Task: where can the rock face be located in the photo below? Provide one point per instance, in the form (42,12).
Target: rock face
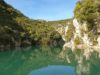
(80,38)
(98,40)
(85,33)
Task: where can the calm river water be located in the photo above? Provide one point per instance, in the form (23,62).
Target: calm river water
(47,61)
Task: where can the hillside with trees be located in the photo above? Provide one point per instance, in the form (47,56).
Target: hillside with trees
(17,30)
(88,11)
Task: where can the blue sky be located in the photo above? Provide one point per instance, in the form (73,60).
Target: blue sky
(45,9)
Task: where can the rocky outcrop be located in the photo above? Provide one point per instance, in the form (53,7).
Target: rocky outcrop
(85,33)
(81,38)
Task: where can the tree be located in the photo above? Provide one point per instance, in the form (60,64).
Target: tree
(88,10)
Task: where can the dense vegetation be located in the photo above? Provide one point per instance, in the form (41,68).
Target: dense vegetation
(17,30)
(89,11)
(62,22)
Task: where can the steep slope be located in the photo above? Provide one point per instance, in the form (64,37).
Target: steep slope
(17,30)
(9,29)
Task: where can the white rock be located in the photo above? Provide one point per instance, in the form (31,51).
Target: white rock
(77,27)
(98,40)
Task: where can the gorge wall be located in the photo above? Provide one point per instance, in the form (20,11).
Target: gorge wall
(83,31)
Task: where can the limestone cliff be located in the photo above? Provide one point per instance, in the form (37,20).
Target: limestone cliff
(83,32)
(79,37)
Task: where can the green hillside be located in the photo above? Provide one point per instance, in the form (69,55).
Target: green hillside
(17,30)
(88,11)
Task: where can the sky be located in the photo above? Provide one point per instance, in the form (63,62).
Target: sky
(45,9)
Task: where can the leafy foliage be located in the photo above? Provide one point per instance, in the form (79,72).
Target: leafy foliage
(88,10)
(18,30)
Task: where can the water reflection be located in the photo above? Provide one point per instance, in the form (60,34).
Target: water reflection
(25,60)
(54,70)
(83,65)
(21,61)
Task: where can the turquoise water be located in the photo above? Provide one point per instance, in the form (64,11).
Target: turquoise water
(22,61)
(46,61)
